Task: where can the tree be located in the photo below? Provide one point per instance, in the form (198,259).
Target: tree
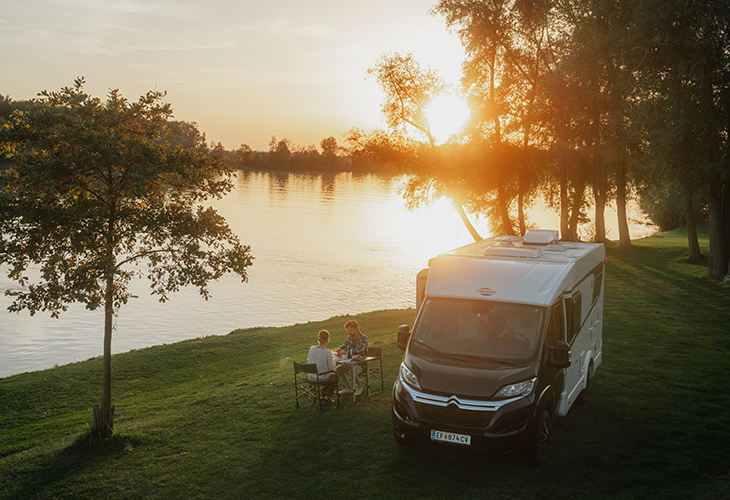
(685,97)
(305,158)
(509,49)
(483,28)
(279,153)
(408,89)
(245,155)
(329,151)
(329,146)
(6,107)
(95,195)
(695,56)
(185,134)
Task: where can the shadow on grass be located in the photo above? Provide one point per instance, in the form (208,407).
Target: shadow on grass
(90,444)
(83,455)
(625,442)
(350,452)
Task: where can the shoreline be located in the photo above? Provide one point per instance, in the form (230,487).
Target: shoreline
(343,317)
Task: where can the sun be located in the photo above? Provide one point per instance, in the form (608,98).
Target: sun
(447,114)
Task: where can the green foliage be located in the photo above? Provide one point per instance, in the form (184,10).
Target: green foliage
(215,417)
(185,135)
(94,194)
(6,107)
(408,88)
(665,207)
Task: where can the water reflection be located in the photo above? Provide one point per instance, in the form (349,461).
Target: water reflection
(324,245)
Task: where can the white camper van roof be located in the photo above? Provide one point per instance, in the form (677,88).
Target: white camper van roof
(534,269)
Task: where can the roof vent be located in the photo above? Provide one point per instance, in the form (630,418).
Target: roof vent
(510,241)
(541,237)
(523,253)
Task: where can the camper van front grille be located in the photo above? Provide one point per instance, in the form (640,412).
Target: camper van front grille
(453,415)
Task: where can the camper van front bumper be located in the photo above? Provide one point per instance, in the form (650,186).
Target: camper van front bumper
(491,424)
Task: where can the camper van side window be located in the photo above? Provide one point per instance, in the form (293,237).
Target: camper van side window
(573,313)
(597,283)
(555,327)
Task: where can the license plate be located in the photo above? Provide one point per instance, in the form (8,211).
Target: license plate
(450,437)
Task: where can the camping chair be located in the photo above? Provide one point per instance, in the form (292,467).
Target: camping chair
(375,367)
(308,388)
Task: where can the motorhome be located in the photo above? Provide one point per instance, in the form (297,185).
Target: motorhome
(507,336)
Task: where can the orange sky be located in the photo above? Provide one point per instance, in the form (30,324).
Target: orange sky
(243,70)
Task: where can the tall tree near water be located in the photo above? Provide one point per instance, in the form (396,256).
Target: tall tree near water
(686,106)
(408,88)
(511,48)
(702,65)
(592,91)
(329,151)
(94,197)
(280,153)
(485,31)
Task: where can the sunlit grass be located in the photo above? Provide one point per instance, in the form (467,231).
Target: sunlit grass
(214,417)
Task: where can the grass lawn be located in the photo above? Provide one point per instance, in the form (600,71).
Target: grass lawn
(215,418)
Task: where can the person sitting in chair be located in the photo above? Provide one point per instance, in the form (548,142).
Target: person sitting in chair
(322,357)
(358,345)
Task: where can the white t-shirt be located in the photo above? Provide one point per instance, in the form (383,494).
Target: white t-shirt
(324,360)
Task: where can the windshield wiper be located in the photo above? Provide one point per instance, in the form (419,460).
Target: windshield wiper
(455,355)
(500,361)
(433,349)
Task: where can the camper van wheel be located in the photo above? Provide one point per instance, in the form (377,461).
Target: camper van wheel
(583,396)
(538,446)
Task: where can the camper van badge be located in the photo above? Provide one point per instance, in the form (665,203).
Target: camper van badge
(486,292)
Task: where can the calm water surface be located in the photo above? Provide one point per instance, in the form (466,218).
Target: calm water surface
(324,245)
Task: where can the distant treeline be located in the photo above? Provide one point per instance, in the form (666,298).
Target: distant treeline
(282,154)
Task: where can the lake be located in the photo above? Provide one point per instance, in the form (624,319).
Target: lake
(324,245)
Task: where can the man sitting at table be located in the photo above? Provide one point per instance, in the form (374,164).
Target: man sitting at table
(358,343)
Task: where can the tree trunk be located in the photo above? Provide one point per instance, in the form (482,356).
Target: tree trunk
(103,424)
(726,223)
(467,223)
(521,212)
(104,415)
(600,190)
(503,211)
(502,206)
(623,222)
(564,204)
(575,210)
(692,241)
(717,261)
(600,216)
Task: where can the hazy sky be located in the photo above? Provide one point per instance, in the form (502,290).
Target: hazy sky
(244,70)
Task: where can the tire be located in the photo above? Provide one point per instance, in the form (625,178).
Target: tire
(537,447)
(583,396)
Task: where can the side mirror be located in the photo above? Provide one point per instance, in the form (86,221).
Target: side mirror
(560,355)
(404,333)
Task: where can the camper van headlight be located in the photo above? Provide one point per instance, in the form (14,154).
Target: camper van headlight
(407,376)
(520,389)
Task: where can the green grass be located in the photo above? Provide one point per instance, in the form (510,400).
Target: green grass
(214,417)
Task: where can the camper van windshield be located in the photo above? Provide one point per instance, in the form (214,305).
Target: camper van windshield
(478,329)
